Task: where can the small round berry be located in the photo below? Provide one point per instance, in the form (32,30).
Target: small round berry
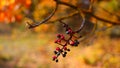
(65,48)
(59,41)
(55,52)
(70,31)
(75,44)
(68,49)
(56,60)
(76,41)
(54,57)
(65,52)
(62,37)
(58,35)
(58,49)
(64,55)
(72,43)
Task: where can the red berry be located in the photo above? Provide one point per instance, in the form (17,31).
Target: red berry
(65,48)
(70,30)
(58,35)
(72,43)
(54,57)
(58,40)
(62,37)
(58,49)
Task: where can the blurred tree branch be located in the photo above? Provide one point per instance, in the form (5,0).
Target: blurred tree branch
(83,12)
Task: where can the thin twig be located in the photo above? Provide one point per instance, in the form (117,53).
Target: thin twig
(104,20)
(43,21)
(64,17)
(109,12)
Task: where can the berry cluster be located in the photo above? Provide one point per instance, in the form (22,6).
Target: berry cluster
(72,41)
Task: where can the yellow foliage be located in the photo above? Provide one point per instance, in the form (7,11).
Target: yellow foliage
(47,2)
(1,47)
(42,28)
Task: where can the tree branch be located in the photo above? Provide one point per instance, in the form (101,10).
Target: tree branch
(90,13)
(102,19)
(64,17)
(43,21)
(58,2)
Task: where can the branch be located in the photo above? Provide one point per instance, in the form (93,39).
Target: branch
(82,13)
(43,21)
(64,17)
(90,13)
(66,4)
(102,19)
(109,12)
(57,3)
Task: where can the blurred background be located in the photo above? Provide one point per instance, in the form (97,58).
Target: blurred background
(21,47)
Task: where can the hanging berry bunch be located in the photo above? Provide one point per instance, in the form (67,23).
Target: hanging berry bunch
(72,41)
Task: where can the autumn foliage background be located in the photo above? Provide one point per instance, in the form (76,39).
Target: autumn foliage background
(21,47)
